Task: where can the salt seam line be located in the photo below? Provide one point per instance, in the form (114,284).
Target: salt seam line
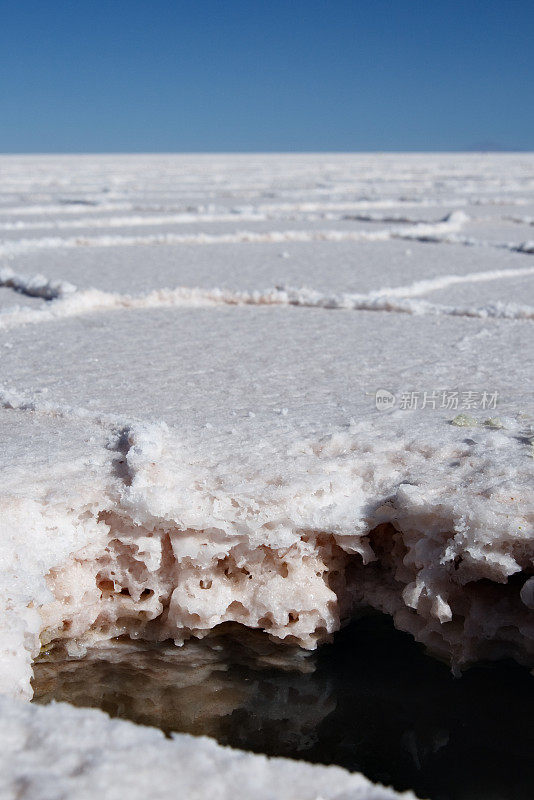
(49,289)
(421,287)
(132,221)
(240,214)
(136,220)
(425,232)
(19,401)
(93,301)
(95,207)
(422,233)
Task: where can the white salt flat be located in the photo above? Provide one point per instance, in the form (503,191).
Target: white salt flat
(265,390)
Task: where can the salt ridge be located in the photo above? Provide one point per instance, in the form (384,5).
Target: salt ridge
(35,285)
(69,302)
(444,231)
(424,231)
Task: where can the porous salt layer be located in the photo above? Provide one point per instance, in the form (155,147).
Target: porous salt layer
(279,457)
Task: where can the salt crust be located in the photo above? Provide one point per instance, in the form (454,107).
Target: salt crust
(158,546)
(57,751)
(115,522)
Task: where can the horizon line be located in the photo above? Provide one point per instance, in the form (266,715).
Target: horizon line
(474,151)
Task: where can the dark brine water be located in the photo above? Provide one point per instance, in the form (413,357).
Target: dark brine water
(371,702)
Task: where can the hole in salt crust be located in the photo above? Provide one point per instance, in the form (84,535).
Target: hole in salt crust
(371,702)
(143,585)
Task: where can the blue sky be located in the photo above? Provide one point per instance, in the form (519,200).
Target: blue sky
(265,75)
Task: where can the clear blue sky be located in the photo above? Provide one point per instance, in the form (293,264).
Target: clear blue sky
(264,75)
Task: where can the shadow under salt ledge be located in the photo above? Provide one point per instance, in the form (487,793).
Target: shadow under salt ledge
(371,702)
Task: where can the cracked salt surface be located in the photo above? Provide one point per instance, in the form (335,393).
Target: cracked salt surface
(175,458)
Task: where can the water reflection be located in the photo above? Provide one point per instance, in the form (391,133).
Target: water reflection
(371,702)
